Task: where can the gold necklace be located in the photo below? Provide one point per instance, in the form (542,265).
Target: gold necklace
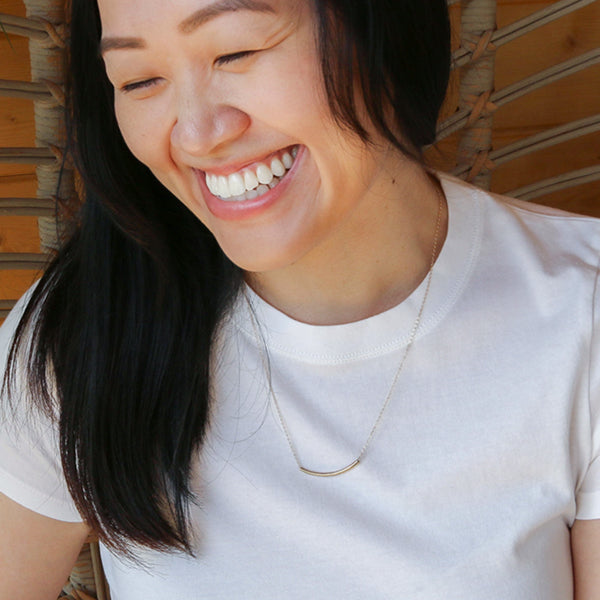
(413,335)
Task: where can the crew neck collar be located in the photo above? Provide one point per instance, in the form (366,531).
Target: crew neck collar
(387,331)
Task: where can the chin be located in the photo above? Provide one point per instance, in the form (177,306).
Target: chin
(251,259)
(257,264)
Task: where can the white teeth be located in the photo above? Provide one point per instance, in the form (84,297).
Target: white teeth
(287,160)
(210,184)
(277,168)
(262,189)
(236,185)
(264,174)
(215,183)
(235,198)
(251,183)
(250,180)
(223,187)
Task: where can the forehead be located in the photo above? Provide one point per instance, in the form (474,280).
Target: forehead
(186,15)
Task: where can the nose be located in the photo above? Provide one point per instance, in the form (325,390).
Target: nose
(204,125)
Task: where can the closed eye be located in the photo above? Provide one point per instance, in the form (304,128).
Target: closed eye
(138,85)
(229,58)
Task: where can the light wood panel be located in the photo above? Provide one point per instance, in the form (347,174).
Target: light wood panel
(555,42)
(13,284)
(16,120)
(19,234)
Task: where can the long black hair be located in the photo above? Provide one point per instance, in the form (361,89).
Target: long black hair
(117,335)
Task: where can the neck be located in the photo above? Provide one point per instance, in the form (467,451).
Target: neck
(372,262)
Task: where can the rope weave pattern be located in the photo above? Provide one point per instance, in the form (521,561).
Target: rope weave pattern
(545,139)
(46,33)
(520,88)
(48,68)
(85,581)
(25,207)
(478,23)
(26,90)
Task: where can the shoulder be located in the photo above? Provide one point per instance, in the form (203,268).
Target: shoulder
(512,228)
(520,209)
(30,463)
(10,327)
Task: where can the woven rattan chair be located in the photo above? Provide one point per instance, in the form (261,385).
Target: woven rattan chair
(467,145)
(87,581)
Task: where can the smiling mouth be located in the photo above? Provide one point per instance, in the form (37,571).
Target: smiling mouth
(254,181)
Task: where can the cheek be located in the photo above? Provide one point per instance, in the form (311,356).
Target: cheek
(144,134)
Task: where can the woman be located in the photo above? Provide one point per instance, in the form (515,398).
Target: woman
(285,360)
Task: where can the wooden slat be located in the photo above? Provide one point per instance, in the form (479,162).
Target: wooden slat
(582,199)
(28,156)
(22,261)
(38,207)
(5,307)
(25,90)
(566,100)
(557,183)
(526,86)
(571,155)
(539,141)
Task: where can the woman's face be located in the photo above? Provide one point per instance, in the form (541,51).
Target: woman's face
(223,101)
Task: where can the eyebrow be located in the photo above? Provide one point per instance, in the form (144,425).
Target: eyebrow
(191,23)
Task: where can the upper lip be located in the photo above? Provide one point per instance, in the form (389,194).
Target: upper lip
(227,168)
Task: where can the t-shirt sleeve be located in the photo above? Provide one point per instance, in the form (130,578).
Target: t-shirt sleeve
(30,468)
(588,492)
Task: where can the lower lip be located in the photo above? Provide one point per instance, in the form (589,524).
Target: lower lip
(246,209)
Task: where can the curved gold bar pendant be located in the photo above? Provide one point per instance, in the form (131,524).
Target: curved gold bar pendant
(330,473)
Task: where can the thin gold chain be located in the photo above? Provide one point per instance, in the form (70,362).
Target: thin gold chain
(413,335)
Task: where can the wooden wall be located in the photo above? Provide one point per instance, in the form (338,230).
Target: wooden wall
(561,102)
(572,98)
(17,234)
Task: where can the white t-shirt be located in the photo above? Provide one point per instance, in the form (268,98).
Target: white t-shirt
(486,454)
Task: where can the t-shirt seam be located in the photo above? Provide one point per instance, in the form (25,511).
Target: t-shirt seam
(589,374)
(514,203)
